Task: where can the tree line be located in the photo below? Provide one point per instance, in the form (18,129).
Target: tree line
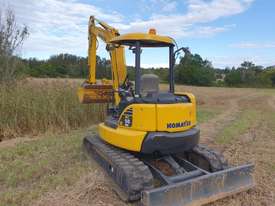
(192,69)
(249,75)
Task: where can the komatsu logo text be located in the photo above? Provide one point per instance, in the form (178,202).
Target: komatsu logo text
(178,124)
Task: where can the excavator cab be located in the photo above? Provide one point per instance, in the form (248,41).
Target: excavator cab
(149,142)
(148,120)
(136,41)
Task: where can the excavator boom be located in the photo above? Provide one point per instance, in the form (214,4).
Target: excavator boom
(103,91)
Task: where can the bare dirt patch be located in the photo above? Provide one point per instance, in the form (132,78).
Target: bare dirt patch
(256,145)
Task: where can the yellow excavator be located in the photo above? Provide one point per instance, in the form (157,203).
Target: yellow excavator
(149,141)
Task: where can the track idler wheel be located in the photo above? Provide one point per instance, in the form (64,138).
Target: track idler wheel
(207,159)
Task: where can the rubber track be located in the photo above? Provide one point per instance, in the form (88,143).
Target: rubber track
(130,174)
(215,159)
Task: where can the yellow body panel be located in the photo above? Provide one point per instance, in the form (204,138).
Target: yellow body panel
(174,117)
(161,117)
(190,95)
(138,119)
(194,104)
(144,117)
(123,138)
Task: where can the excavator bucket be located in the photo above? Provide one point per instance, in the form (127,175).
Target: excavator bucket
(95,93)
(203,189)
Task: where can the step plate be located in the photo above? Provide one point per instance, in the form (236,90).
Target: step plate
(202,190)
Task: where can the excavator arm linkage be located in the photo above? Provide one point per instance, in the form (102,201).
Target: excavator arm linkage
(103,91)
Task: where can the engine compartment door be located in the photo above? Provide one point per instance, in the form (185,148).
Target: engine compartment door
(175,117)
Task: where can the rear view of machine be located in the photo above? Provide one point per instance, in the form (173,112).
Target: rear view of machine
(149,142)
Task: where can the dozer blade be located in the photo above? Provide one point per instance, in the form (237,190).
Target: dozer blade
(201,190)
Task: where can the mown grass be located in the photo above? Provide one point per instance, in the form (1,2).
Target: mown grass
(29,170)
(243,122)
(34,106)
(205,114)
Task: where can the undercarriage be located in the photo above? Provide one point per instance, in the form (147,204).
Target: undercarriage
(195,177)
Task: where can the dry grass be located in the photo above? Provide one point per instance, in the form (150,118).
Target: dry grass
(36,106)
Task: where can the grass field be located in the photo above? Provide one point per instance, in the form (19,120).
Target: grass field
(51,169)
(36,106)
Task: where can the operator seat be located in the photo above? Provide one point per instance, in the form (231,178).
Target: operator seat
(150,92)
(149,85)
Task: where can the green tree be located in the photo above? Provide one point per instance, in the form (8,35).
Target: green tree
(193,70)
(233,78)
(12,37)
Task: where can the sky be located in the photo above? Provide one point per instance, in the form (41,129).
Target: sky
(226,32)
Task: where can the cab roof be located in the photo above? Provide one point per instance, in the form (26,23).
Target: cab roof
(150,39)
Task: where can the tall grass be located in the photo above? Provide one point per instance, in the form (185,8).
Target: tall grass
(35,106)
